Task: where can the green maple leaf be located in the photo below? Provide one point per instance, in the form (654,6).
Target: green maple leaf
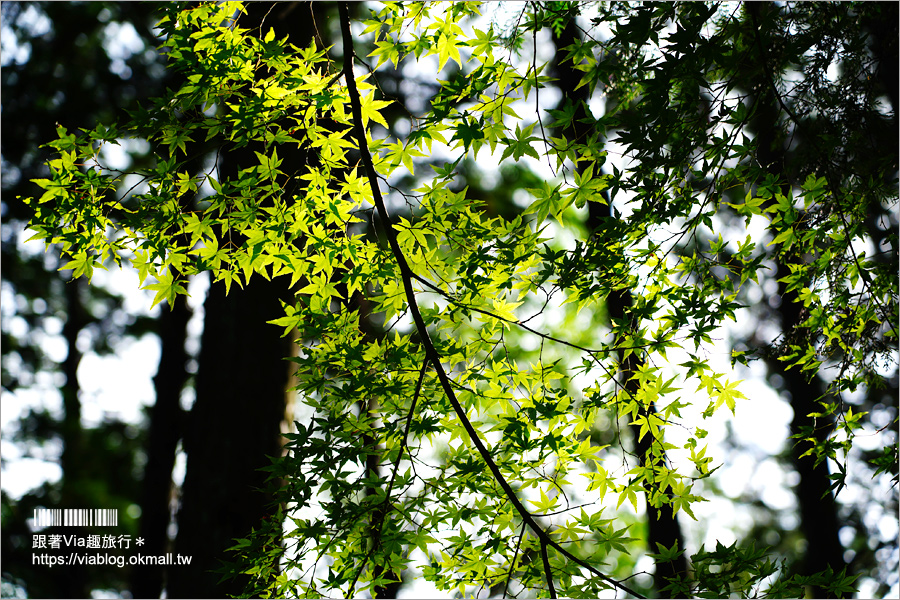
(447,49)
(166,288)
(370,107)
(468,131)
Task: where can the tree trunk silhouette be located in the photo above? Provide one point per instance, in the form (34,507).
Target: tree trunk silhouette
(818,509)
(235,423)
(165,430)
(73,579)
(232,428)
(662,525)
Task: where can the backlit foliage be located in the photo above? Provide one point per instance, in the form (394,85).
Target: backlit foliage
(489,324)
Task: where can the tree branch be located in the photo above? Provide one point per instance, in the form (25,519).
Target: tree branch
(548,573)
(431,353)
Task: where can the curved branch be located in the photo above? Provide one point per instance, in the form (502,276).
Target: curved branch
(548,573)
(431,353)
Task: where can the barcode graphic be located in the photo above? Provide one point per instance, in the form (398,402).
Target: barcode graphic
(74,517)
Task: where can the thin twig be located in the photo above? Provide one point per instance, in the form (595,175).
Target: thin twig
(512,564)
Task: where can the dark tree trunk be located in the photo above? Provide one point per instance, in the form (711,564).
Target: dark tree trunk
(166,418)
(884,44)
(662,525)
(72,579)
(233,427)
(241,383)
(818,509)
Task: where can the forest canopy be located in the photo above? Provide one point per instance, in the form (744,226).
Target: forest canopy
(508,388)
